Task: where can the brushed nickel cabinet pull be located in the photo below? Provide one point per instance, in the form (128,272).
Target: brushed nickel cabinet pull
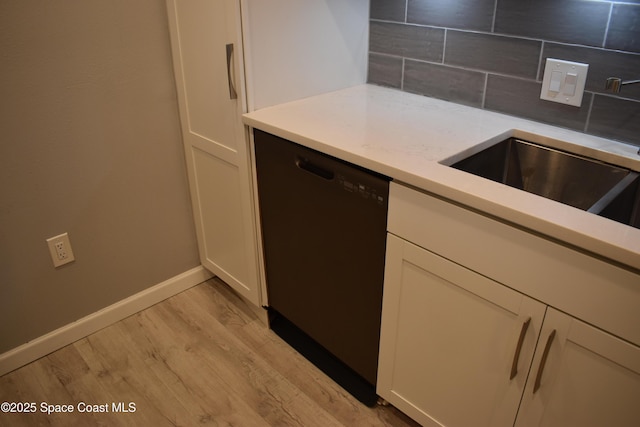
(232,90)
(543,360)
(516,356)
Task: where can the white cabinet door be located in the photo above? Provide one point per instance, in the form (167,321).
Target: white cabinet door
(449,338)
(588,378)
(206,43)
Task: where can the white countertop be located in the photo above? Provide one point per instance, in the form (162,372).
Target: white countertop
(408,137)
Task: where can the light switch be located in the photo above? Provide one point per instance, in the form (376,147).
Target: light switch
(564,81)
(556,81)
(570,84)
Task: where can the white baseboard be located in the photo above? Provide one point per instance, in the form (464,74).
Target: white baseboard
(81,328)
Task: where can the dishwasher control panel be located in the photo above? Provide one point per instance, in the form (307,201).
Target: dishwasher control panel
(361,189)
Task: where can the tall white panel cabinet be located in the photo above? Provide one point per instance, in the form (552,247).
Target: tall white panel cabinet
(233,56)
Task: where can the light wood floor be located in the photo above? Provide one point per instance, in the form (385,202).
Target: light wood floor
(199,358)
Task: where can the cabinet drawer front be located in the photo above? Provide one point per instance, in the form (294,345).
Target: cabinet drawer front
(572,281)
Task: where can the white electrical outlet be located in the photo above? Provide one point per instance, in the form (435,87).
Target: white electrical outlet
(60,249)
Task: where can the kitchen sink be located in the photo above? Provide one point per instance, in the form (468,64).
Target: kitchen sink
(625,205)
(600,188)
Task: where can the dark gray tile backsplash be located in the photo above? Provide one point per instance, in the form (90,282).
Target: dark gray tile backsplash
(440,81)
(571,21)
(522,98)
(409,41)
(468,14)
(615,118)
(624,29)
(490,54)
(385,70)
(497,54)
(388,10)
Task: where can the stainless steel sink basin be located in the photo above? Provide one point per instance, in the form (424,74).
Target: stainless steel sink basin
(581,182)
(625,206)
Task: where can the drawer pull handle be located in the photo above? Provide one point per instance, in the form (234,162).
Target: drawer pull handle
(516,356)
(232,90)
(543,360)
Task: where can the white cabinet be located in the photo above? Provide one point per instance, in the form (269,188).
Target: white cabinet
(449,340)
(208,63)
(589,378)
(450,333)
(267,52)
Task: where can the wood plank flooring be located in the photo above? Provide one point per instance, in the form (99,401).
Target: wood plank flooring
(201,357)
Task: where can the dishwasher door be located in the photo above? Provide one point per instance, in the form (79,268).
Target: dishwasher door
(324,230)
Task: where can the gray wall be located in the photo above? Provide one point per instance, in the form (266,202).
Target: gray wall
(490,54)
(91,146)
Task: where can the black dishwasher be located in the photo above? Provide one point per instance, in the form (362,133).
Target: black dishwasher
(324,234)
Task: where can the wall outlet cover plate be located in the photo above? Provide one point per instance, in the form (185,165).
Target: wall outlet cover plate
(564,81)
(60,249)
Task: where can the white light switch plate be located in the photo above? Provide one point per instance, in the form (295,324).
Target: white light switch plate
(560,83)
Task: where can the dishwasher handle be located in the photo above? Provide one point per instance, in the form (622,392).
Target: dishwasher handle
(310,167)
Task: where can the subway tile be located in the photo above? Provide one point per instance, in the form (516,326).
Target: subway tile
(624,28)
(385,70)
(573,30)
(521,98)
(409,41)
(615,118)
(465,14)
(449,83)
(499,54)
(602,64)
(571,21)
(388,10)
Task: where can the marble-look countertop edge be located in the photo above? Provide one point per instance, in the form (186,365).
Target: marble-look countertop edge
(410,138)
